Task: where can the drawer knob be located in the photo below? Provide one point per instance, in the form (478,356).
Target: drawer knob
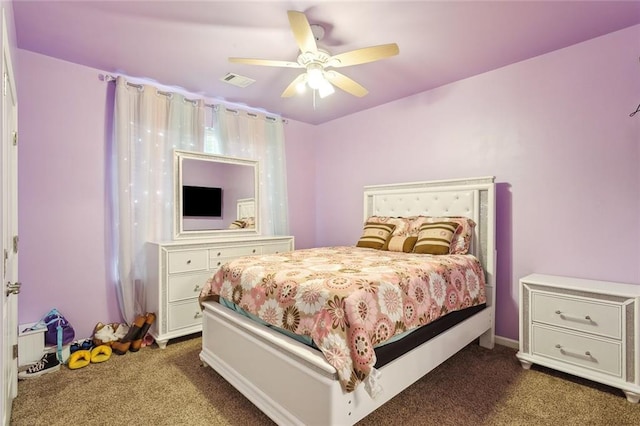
(189,262)
(197,315)
(219,253)
(254,250)
(196,288)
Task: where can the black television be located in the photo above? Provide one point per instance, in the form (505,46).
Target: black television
(201,201)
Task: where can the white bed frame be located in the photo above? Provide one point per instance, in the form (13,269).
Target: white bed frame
(292,383)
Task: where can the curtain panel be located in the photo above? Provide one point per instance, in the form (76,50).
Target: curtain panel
(148,126)
(256,137)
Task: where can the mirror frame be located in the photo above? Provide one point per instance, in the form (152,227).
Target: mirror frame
(179,232)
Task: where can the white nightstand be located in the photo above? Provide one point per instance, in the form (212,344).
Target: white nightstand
(582,327)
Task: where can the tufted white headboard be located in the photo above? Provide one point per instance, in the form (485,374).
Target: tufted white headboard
(245,207)
(470,197)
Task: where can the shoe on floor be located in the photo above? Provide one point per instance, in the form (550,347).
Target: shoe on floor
(79,359)
(47,364)
(100,353)
(84,345)
(106,334)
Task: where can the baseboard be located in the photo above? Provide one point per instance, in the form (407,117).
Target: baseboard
(510,343)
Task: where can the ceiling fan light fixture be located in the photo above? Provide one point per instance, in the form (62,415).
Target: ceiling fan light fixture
(301,87)
(325,89)
(315,76)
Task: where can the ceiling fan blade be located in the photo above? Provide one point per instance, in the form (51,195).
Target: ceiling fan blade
(364,55)
(302,31)
(292,88)
(266,62)
(345,83)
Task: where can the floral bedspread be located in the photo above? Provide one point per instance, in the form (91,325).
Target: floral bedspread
(349,299)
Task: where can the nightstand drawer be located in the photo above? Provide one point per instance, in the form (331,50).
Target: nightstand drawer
(183,315)
(599,318)
(186,286)
(185,261)
(587,352)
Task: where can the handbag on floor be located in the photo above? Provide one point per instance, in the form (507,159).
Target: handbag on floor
(59,331)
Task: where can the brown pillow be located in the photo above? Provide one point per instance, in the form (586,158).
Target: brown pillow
(435,238)
(375,235)
(402,244)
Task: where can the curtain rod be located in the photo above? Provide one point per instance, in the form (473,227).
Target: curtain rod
(109,78)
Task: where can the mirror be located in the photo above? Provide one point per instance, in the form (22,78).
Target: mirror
(214,195)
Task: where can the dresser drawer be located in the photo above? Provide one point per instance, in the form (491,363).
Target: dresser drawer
(186,286)
(604,356)
(184,314)
(276,248)
(186,261)
(218,262)
(233,252)
(599,318)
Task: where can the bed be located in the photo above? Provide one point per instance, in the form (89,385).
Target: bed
(294,383)
(245,214)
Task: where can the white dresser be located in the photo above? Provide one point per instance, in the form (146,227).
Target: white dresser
(178,270)
(582,327)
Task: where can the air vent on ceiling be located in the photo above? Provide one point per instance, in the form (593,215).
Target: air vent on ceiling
(237,80)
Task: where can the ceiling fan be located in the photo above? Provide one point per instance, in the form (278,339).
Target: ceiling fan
(317,62)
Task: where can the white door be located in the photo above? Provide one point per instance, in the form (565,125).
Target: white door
(9,213)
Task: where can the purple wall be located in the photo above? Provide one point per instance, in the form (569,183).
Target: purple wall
(63,206)
(554,130)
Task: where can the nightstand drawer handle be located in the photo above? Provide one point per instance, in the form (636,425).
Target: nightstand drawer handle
(196,288)
(586,317)
(197,315)
(586,353)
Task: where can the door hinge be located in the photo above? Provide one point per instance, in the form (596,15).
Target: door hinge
(15,351)
(15,244)
(15,138)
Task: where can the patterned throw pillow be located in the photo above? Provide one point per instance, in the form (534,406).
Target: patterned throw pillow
(236,224)
(402,244)
(249,222)
(461,241)
(401,224)
(375,235)
(435,238)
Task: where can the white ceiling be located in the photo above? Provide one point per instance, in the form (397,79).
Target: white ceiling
(186,43)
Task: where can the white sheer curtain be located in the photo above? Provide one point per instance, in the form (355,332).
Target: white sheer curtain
(148,126)
(257,137)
